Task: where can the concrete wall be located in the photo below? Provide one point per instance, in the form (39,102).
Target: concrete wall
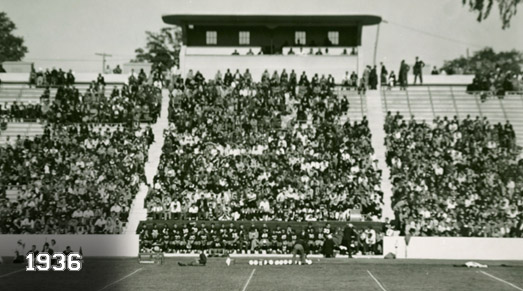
(456,248)
(128,67)
(208,65)
(17,67)
(92,245)
(443,79)
(79,77)
(222,50)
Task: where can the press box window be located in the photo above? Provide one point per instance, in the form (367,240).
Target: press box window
(245,38)
(211,37)
(300,38)
(334,37)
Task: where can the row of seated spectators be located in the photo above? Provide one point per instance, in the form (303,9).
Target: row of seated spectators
(72,179)
(496,83)
(51,77)
(20,111)
(252,239)
(283,80)
(300,51)
(455,177)
(259,151)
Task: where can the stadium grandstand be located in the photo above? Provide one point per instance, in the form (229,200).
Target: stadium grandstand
(270,132)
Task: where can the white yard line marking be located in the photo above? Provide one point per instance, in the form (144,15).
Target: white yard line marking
(111,284)
(501,280)
(376,280)
(248,280)
(13,272)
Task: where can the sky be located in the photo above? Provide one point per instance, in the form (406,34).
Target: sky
(68,33)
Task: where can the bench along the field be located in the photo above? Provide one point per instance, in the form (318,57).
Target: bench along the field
(223,251)
(151,258)
(376,225)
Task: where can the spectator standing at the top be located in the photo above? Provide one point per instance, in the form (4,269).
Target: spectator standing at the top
(383,75)
(373,78)
(403,73)
(366,75)
(418,67)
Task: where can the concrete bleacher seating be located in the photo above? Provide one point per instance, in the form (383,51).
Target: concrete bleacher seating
(426,102)
(357,104)
(22,93)
(24,129)
(11,194)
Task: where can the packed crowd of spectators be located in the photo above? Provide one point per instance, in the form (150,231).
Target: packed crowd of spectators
(455,177)
(194,237)
(137,101)
(73,179)
(131,104)
(240,150)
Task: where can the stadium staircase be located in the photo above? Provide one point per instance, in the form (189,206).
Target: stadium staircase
(357,105)
(138,211)
(376,119)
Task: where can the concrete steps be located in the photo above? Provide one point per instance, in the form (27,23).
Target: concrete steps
(138,212)
(376,117)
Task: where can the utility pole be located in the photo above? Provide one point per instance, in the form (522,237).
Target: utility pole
(376,42)
(103,55)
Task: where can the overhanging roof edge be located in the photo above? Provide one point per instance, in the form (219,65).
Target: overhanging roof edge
(184,18)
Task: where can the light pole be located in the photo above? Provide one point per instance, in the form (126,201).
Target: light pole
(103,55)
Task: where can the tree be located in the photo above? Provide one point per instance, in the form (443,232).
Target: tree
(486,60)
(162,48)
(11,47)
(507,9)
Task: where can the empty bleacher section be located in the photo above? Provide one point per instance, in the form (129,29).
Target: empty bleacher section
(428,102)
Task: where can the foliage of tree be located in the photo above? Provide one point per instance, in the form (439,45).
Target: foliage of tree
(11,47)
(507,9)
(162,48)
(484,61)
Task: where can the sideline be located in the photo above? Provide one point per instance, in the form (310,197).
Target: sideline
(248,280)
(111,284)
(501,280)
(11,273)
(378,282)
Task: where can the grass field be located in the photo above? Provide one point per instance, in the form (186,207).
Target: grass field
(323,274)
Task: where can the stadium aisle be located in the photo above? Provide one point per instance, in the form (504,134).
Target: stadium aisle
(138,211)
(376,119)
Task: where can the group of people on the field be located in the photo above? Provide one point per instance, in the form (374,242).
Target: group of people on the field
(239,238)
(249,153)
(455,177)
(72,179)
